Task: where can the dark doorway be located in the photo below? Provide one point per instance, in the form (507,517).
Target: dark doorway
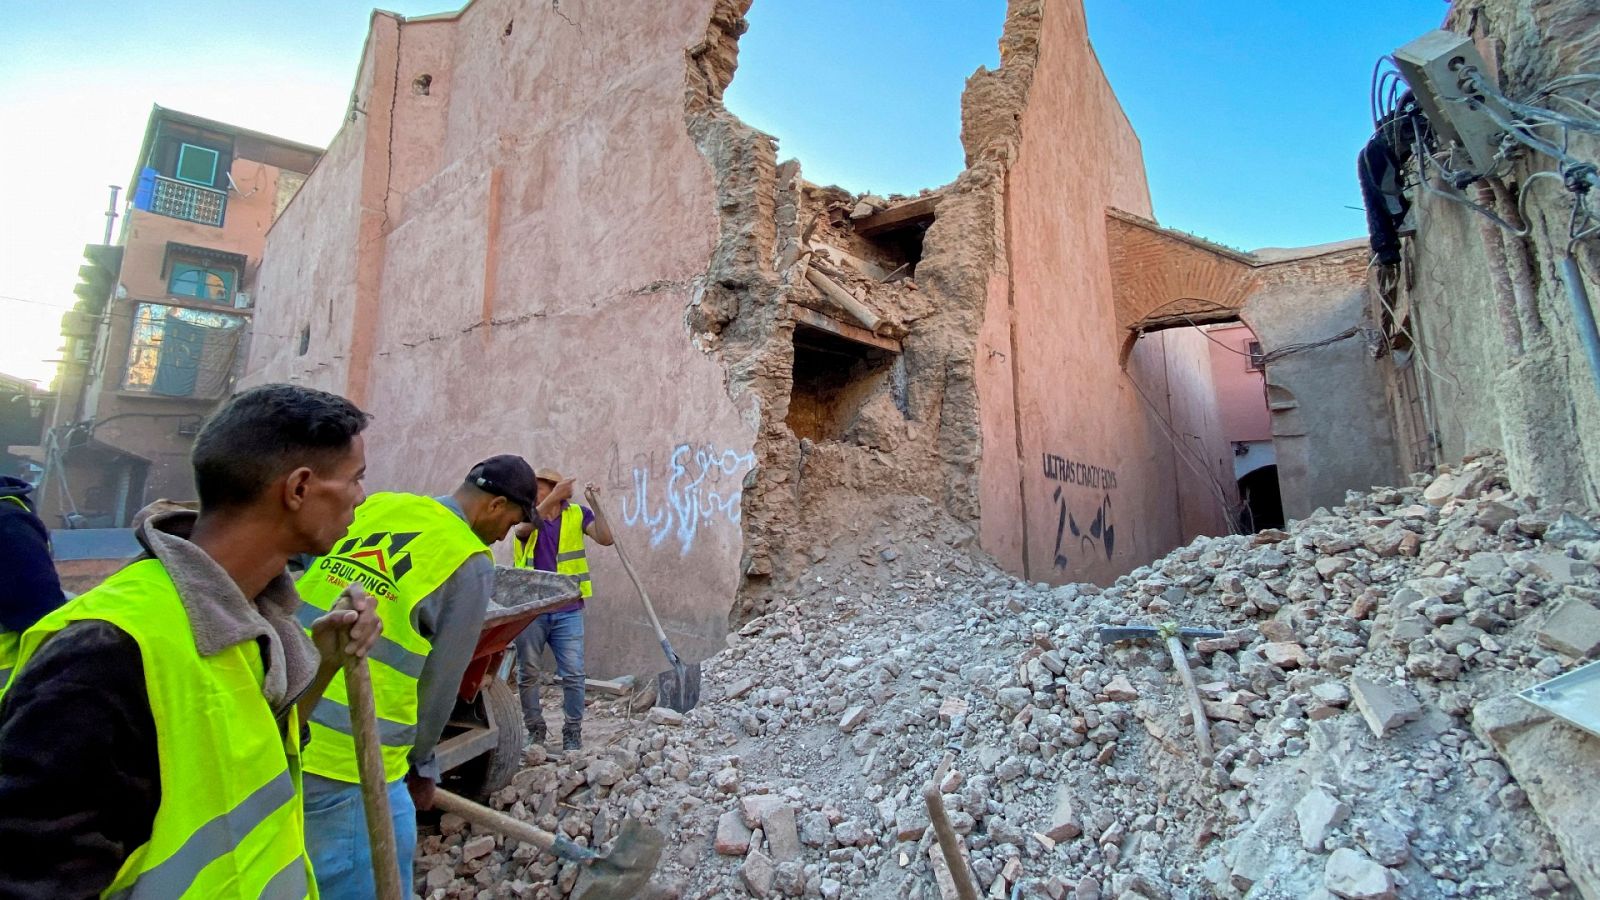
(1261,503)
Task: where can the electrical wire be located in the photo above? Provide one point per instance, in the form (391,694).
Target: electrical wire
(1202,469)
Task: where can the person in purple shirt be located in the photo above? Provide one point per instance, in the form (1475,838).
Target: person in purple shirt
(555,543)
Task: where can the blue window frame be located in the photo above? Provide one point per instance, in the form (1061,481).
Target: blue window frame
(213,284)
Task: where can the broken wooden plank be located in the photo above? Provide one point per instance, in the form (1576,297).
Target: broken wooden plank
(846,300)
(905,215)
(825,322)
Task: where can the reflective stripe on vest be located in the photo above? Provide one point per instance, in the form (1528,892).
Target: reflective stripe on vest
(399,548)
(10,641)
(230,822)
(571,558)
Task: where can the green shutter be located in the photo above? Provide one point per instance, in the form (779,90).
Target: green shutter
(197,165)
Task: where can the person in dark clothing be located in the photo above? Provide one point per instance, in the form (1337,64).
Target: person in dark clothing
(32,586)
(86,807)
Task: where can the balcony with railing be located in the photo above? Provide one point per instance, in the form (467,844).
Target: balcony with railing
(190,202)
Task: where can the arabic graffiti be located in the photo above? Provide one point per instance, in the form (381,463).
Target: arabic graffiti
(704,487)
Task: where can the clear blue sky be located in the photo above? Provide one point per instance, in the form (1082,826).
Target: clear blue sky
(1250,112)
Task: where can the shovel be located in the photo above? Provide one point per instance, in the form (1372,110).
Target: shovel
(618,875)
(679,688)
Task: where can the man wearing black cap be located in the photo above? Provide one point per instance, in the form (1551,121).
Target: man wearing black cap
(426,560)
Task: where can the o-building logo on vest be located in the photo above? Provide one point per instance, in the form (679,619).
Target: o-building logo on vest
(375,562)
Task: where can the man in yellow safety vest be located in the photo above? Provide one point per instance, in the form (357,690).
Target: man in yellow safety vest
(33,587)
(151,732)
(555,544)
(426,560)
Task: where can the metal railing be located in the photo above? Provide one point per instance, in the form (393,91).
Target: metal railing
(191,202)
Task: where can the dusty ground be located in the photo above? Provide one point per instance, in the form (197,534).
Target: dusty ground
(1346,704)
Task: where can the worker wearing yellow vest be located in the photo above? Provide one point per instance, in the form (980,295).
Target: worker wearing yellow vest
(32,588)
(151,732)
(426,560)
(555,544)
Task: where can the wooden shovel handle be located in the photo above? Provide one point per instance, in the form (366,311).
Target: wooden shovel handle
(649,608)
(493,820)
(374,790)
(1202,730)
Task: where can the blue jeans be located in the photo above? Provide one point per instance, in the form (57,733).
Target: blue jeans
(336,837)
(562,632)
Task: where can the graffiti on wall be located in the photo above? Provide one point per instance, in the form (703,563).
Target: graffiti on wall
(679,494)
(1094,532)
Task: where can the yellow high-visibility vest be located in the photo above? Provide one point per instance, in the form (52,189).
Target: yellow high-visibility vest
(399,548)
(571,558)
(231,820)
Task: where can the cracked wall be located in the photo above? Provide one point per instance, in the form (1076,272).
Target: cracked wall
(566,247)
(503,264)
(1541,406)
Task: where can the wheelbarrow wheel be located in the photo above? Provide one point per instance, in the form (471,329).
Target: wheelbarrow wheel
(493,770)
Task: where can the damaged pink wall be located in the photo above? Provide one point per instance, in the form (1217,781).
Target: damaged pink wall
(1092,455)
(538,228)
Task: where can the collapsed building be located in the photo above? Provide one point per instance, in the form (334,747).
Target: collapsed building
(540,231)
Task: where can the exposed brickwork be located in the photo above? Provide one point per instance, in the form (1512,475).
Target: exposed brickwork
(1162,277)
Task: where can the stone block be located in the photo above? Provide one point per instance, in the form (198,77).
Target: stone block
(758,874)
(1120,689)
(477,847)
(733,838)
(783,835)
(1318,812)
(852,718)
(1572,630)
(1064,823)
(754,807)
(910,823)
(1353,875)
(1286,655)
(1384,706)
(741,687)
(661,715)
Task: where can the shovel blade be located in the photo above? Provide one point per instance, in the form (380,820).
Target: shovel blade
(679,687)
(623,873)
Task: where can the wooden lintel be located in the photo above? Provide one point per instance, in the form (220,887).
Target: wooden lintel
(825,322)
(913,212)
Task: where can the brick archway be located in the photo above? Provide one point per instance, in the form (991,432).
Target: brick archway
(1162,278)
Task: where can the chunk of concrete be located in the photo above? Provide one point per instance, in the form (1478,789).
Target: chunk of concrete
(910,822)
(1318,812)
(733,838)
(1550,760)
(1384,706)
(1064,824)
(1573,629)
(758,873)
(1286,655)
(1121,689)
(783,836)
(754,807)
(1353,875)
(477,847)
(852,718)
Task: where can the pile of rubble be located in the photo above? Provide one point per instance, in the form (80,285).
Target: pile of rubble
(1365,743)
